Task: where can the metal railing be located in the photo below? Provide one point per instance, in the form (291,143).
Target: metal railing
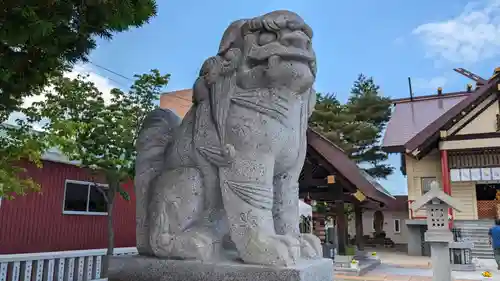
(82,265)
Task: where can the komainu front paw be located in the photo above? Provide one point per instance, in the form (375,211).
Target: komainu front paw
(310,246)
(188,245)
(275,250)
(196,245)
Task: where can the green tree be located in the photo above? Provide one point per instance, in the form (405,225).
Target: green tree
(331,120)
(40,40)
(372,111)
(99,133)
(356,126)
(19,145)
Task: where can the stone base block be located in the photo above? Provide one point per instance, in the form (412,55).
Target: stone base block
(140,268)
(463,267)
(364,266)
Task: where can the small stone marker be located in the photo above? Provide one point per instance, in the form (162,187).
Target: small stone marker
(438,235)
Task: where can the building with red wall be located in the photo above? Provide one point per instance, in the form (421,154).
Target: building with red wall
(68,214)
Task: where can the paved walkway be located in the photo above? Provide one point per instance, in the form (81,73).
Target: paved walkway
(403,260)
(393,273)
(398,266)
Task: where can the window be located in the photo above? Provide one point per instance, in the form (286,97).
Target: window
(84,198)
(397,226)
(427,183)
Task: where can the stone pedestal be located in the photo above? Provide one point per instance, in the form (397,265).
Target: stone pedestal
(440,256)
(140,268)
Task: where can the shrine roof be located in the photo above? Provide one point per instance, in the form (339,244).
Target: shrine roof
(337,158)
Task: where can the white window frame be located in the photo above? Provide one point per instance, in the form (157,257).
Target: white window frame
(394,226)
(85,213)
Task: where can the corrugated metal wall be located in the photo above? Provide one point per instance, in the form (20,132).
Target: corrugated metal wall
(35,223)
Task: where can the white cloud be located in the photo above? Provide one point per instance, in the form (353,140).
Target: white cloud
(103,84)
(429,84)
(472,36)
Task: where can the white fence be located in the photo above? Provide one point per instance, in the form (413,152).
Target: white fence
(82,265)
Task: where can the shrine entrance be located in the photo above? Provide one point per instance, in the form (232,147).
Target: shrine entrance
(486,195)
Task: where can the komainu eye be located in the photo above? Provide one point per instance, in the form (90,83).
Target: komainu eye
(266,38)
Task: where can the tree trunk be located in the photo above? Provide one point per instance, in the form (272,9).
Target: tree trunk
(111,234)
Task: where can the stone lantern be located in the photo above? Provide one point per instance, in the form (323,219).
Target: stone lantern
(438,234)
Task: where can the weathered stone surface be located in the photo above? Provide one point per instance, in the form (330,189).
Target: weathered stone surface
(230,169)
(153,269)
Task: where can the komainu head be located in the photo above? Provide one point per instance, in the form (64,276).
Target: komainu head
(269,51)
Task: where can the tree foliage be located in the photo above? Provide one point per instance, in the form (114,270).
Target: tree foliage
(356,126)
(19,145)
(97,130)
(40,39)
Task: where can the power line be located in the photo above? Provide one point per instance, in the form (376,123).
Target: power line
(119,83)
(130,79)
(111,71)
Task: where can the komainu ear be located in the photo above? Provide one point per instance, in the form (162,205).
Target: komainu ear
(232,37)
(208,74)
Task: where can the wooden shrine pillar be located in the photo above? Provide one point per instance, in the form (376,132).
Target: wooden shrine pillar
(358,216)
(341,226)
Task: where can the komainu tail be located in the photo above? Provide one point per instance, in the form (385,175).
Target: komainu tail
(154,138)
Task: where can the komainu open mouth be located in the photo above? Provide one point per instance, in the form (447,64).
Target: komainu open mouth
(263,53)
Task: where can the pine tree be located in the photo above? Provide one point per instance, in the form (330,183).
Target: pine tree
(328,118)
(373,110)
(356,126)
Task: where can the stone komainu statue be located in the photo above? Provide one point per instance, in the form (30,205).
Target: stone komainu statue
(225,178)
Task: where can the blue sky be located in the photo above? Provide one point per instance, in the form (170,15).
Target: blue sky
(389,40)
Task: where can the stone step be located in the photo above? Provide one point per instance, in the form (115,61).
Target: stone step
(485,256)
(473,222)
(474,233)
(477,232)
(483,247)
(482,252)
